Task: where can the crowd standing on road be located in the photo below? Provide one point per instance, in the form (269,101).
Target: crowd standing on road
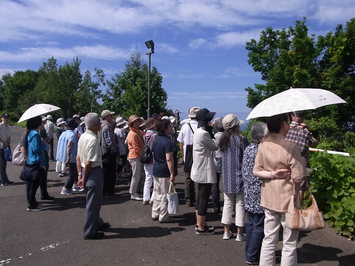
(258,179)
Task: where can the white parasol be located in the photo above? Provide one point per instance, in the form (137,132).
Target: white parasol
(294,99)
(37,110)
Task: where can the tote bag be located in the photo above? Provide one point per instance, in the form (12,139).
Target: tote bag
(173,200)
(17,156)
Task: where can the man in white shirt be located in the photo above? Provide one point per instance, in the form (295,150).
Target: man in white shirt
(90,175)
(185,138)
(49,127)
(5,139)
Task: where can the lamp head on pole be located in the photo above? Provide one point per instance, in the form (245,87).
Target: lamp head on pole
(150,45)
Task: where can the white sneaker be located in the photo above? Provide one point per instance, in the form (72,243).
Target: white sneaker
(227,235)
(136,197)
(240,238)
(77,189)
(66,191)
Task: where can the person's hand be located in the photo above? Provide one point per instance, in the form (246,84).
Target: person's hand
(172,178)
(66,162)
(281,174)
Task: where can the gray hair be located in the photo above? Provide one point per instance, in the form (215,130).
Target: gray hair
(258,131)
(91,119)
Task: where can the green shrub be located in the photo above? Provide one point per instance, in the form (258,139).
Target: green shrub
(333,184)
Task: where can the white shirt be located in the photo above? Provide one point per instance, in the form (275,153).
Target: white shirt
(89,149)
(186,136)
(49,127)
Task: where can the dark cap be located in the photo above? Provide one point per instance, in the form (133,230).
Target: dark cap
(299,113)
(71,123)
(5,115)
(204,115)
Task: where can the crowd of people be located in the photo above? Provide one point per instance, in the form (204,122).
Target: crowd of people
(257,179)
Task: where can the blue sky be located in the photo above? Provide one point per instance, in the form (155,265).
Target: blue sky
(199,44)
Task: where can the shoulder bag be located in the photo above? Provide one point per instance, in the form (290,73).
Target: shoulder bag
(304,219)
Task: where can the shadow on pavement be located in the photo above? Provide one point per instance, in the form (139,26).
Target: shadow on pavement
(309,253)
(151,231)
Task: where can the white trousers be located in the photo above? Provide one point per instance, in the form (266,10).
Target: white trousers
(231,201)
(148,169)
(160,198)
(272,223)
(60,167)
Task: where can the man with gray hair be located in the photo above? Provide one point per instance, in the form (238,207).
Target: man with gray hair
(185,139)
(90,175)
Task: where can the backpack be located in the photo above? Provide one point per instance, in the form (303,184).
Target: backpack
(188,156)
(147,155)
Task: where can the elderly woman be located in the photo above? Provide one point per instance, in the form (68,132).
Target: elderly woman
(163,170)
(232,145)
(279,163)
(252,185)
(34,170)
(203,171)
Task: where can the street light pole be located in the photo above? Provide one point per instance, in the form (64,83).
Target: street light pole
(150,45)
(149,69)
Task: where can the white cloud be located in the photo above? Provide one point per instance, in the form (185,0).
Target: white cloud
(237,72)
(166,48)
(4,71)
(39,53)
(231,39)
(206,95)
(197,43)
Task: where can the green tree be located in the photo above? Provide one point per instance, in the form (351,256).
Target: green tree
(127,91)
(89,93)
(292,58)
(15,90)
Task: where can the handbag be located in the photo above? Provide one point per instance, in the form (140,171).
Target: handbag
(7,154)
(173,200)
(32,172)
(17,156)
(304,219)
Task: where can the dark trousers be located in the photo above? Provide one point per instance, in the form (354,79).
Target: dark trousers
(216,193)
(3,163)
(73,176)
(109,170)
(51,151)
(31,189)
(254,229)
(203,194)
(43,183)
(190,188)
(93,190)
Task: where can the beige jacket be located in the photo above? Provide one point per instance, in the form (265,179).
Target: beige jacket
(203,168)
(277,153)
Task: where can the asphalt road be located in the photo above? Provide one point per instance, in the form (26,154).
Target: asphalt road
(54,235)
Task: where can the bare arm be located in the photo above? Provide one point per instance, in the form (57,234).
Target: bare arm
(69,147)
(170,162)
(182,149)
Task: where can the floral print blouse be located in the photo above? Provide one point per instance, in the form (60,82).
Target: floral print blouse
(252,184)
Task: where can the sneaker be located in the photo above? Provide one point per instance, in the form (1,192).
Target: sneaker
(77,189)
(66,191)
(240,238)
(34,209)
(211,228)
(207,231)
(252,262)
(227,235)
(145,202)
(136,197)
